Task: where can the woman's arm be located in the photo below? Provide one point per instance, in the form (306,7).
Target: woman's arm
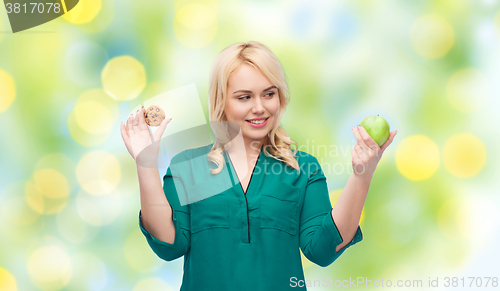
(347,210)
(159,221)
(155,208)
(365,156)
(319,236)
(163,215)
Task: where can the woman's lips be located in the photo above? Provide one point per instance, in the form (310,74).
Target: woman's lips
(257,125)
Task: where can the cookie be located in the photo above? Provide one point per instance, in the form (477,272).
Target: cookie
(154,115)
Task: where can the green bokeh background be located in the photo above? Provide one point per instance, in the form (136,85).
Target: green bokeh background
(430,68)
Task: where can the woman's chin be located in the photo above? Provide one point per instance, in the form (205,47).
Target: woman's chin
(253,136)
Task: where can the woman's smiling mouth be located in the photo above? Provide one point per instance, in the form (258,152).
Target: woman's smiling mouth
(258,123)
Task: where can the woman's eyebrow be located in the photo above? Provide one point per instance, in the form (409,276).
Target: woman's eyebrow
(248,91)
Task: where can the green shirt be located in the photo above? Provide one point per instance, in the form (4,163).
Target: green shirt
(250,241)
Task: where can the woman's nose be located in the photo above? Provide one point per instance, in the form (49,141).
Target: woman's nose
(258,107)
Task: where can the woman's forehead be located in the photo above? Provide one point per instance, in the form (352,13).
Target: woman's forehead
(251,80)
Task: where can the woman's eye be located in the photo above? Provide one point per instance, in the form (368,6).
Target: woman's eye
(246,97)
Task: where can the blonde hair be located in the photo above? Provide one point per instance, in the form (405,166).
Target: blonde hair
(277,144)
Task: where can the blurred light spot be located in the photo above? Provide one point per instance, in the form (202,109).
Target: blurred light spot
(83,62)
(72,227)
(49,268)
(85,11)
(51,183)
(96,112)
(7,90)
(7,280)
(468,90)
(334,197)
(123,78)
(91,273)
(138,254)
(482,217)
(152,284)
(47,192)
(417,157)
(98,210)
(93,117)
(61,163)
(102,20)
(18,221)
(450,215)
(83,137)
(98,172)
(195,24)
(464,155)
(432,36)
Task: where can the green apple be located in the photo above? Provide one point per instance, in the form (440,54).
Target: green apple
(377,127)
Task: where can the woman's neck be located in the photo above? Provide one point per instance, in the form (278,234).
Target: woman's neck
(244,147)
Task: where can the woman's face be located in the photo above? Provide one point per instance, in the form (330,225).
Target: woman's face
(250,95)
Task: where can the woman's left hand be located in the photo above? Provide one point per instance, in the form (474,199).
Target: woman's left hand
(367,153)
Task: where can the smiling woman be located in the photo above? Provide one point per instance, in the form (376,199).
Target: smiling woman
(246,236)
(247,84)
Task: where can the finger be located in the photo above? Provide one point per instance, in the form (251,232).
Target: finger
(368,139)
(159,132)
(124,133)
(125,136)
(389,140)
(355,156)
(359,151)
(130,120)
(142,121)
(136,122)
(358,137)
(357,165)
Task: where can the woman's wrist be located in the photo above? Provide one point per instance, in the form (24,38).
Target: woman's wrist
(364,179)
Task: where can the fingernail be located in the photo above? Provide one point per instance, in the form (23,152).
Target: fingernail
(170,119)
(358,126)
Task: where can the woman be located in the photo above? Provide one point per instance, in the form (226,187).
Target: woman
(248,236)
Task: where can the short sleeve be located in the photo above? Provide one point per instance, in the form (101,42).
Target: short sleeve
(319,235)
(181,219)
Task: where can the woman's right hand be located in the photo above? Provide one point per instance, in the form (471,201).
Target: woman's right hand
(137,138)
